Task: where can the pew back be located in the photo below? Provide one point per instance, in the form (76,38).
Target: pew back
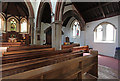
(28,51)
(18,48)
(70,69)
(84,48)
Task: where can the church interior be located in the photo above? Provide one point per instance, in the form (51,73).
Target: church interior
(63,40)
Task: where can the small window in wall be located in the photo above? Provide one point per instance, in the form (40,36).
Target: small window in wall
(76,29)
(24,26)
(13,25)
(105,32)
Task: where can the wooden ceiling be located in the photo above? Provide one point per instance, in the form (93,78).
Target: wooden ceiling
(91,11)
(15,8)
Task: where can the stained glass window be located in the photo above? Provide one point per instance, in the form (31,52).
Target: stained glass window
(13,25)
(76,29)
(24,26)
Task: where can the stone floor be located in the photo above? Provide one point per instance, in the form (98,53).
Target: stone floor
(108,68)
(104,74)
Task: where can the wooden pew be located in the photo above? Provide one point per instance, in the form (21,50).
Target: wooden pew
(67,46)
(31,55)
(27,51)
(18,48)
(74,68)
(13,68)
(84,48)
(76,48)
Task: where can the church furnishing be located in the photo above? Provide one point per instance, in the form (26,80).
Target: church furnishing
(81,65)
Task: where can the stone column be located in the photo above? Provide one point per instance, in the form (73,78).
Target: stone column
(5,25)
(31,22)
(56,35)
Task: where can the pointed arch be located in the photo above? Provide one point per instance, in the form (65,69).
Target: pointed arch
(40,12)
(30,8)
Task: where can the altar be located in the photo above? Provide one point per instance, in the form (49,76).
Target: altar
(12,40)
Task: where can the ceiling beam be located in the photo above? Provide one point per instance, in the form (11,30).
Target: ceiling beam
(17,10)
(7,8)
(92,9)
(101,9)
(24,10)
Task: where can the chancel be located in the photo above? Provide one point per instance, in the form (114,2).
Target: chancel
(64,40)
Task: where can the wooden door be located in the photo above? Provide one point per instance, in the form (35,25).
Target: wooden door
(49,37)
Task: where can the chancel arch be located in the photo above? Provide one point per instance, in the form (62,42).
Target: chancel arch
(18,22)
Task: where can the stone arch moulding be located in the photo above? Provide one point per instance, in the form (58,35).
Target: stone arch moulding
(40,12)
(30,8)
(73,13)
(105,23)
(59,10)
(12,17)
(2,16)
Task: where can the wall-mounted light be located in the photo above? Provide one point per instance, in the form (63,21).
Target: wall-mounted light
(52,14)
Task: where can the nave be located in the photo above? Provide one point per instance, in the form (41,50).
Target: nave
(60,40)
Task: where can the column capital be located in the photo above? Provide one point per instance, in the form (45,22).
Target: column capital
(30,17)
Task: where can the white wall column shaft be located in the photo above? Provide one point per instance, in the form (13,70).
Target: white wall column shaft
(56,35)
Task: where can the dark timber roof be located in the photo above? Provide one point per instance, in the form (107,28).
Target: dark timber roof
(91,11)
(15,8)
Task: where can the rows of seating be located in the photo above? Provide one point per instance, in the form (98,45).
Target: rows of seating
(15,62)
(46,58)
(72,68)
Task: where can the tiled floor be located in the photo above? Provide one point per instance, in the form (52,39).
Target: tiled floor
(108,61)
(108,67)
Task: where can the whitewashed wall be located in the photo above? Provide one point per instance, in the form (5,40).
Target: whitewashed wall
(44,26)
(107,49)
(68,32)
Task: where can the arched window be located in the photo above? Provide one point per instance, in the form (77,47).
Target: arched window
(76,28)
(105,32)
(13,24)
(24,26)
